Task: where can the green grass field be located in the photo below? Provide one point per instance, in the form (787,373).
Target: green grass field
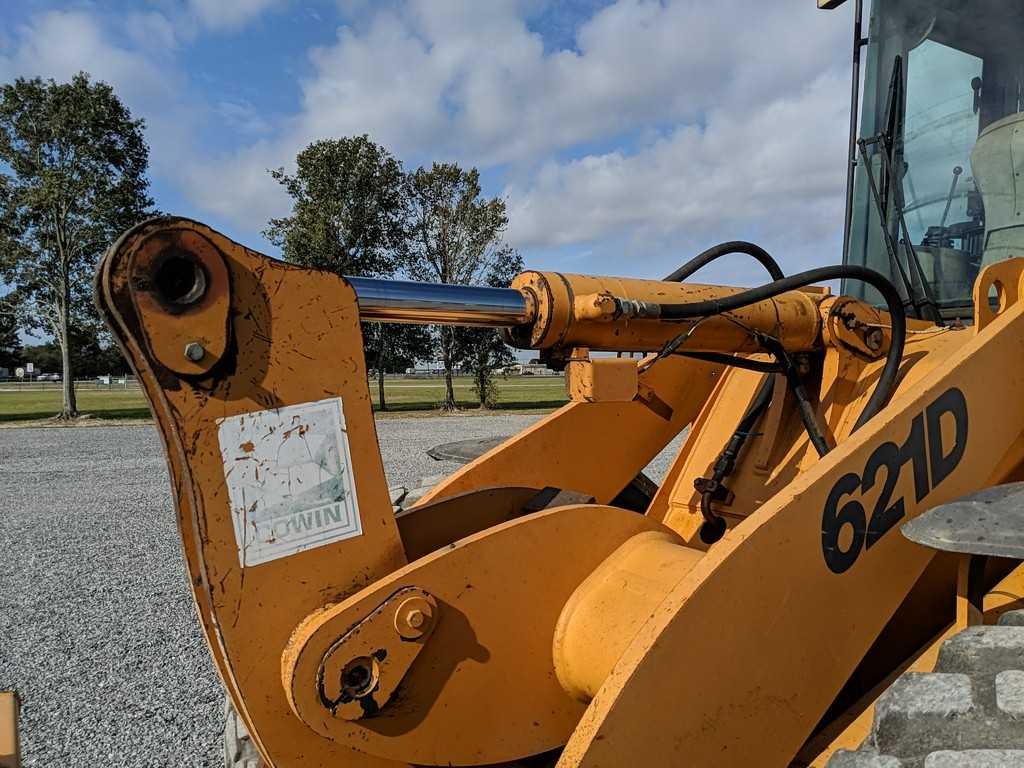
(402,395)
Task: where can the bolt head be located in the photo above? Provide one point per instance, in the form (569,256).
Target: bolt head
(413,618)
(194,351)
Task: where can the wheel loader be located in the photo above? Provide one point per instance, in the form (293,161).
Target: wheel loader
(815,580)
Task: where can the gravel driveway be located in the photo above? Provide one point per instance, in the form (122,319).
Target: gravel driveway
(97,629)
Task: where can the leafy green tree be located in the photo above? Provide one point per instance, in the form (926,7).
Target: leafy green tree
(482,351)
(45,357)
(392,348)
(10,342)
(454,237)
(92,354)
(348,217)
(347,208)
(72,177)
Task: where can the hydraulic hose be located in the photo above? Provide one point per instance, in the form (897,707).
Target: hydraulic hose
(714,525)
(886,382)
(803,402)
(724,249)
(735,362)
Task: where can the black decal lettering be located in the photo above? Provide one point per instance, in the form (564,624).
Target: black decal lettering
(833,521)
(942,462)
(915,451)
(883,516)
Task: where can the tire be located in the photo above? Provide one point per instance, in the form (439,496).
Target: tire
(239,751)
(968,713)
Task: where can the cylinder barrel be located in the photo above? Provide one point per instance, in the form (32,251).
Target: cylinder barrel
(792,318)
(545,310)
(403,301)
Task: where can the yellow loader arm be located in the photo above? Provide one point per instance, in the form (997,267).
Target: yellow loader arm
(515,612)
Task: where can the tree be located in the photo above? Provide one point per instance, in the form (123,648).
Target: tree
(392,348)
(10,343)
(347,208)
(483,350)
(92,354)
(454,237)
(348,217)
(72,177)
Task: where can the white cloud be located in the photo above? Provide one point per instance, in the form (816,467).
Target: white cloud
(238,187)
(243,117)
(738,107)
(59,44)
(471,80)
(152,30)
(665,120)
(229,14)
(772,165)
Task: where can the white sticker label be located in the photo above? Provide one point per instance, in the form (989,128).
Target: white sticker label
(289,477)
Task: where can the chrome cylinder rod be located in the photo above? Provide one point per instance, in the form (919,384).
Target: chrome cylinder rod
(404,301)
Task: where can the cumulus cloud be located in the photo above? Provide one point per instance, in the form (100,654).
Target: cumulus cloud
(474,79)
(153,30)
(229,14)
(243,117)
(144,80)
(727,100)
(772,164)
(646,122)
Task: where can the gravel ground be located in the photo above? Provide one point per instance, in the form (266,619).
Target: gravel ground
(97,630)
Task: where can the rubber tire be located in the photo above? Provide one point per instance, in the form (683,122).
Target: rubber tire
(968,713)
(239,751)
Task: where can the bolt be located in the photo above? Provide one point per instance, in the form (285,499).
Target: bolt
(413,618)
(873,339)
(194,351)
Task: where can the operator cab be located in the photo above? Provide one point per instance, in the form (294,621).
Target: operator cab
(941,149)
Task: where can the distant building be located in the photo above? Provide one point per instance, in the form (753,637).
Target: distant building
(530,369)
(430,368)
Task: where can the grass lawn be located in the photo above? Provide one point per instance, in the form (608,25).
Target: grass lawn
(515,392)
(403,395)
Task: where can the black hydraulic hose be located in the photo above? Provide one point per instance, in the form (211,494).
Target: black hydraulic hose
(806,412)
(735,362)
(723,249)
(898,318)
(803,402)
(714,525)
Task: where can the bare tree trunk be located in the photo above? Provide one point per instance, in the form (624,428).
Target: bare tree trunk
(70,408)
(382,359)
(448,357)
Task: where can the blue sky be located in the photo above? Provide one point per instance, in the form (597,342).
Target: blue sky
(625,135)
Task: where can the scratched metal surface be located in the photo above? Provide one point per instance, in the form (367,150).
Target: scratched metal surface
(97,629)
